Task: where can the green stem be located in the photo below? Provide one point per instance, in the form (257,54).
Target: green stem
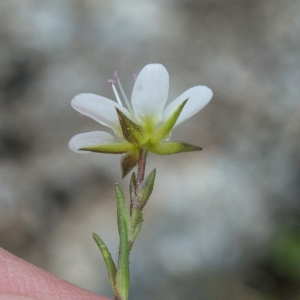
(123,276)
(125,231)
(129,225)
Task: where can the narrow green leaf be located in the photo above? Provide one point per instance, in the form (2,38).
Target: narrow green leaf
(110,265)
(138,201)
(165,128)
(136,224)
(122,212)
(145,189)
(122,279)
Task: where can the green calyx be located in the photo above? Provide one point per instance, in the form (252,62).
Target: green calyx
(137,137)
(140,136)
(165,128)
(132,132)
(172,147)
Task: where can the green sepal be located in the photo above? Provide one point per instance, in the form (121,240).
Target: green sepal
(110,265)
(132,132)
(165,128)
(128,162)
(167,148)
(145,189)
(114,148)
(122,278)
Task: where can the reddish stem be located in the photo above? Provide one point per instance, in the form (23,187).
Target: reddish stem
(141,166)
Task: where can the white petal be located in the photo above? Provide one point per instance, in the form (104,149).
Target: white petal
(150,92)
(100,109)
(91,138)
(198,97)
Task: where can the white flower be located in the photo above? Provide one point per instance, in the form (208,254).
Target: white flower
(145,123)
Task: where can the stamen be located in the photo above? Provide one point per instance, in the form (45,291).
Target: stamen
(112,83)
(115,74)
(125,97)
(116,94)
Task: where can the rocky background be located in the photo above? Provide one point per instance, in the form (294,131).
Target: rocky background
(222,223)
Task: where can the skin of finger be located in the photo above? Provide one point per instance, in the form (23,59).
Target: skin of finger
(18,277)
(16,297)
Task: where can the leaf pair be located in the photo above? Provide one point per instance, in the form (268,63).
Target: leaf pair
(129,226)
(119,277)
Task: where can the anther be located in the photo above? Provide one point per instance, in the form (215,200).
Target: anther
(111,81)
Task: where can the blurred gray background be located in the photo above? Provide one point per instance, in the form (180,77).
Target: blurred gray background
(215,218)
